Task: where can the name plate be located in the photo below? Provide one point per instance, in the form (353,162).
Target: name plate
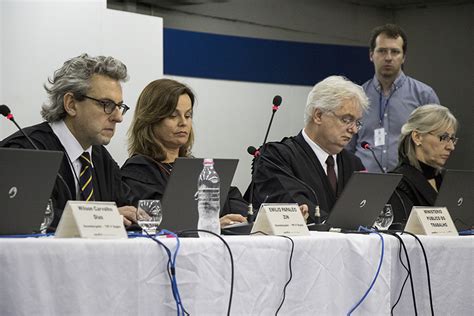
(97,220)
(280,219)
(431,220)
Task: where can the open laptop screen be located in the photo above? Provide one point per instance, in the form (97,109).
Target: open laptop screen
(457,194)
(362,200)
(26,182)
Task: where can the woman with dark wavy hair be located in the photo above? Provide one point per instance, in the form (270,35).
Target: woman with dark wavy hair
(162,131)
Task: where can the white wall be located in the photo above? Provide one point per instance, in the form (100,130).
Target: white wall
(230,116)
(38,36)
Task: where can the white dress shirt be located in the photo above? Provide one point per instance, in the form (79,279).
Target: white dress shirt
(320,153)
(73,149)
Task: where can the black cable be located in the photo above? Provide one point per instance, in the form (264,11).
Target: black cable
(411,278)
(427,269)
(403,204)
(291,273)
(409,275)
(231,261)
(289,264)
(404,281)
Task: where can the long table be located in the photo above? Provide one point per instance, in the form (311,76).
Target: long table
(330,273)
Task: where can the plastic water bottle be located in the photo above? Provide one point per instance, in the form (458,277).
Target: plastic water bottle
(209,199)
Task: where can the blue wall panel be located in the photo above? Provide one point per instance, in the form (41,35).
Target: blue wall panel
(205,55)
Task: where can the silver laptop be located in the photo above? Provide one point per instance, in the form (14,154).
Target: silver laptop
(178,201)
(26,182)
(457,194)
(362,200)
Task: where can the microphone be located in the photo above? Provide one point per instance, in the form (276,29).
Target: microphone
(5,111)
(276,104)
(367,146)
(253,151)
(317,213)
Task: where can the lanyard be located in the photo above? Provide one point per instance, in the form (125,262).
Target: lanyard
(382,107)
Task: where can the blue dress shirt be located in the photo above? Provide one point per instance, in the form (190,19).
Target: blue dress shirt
(389,112)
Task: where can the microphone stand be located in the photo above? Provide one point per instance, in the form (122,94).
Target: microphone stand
(255,152)
(375,158)
(396,225)
(9,116)
(5,111)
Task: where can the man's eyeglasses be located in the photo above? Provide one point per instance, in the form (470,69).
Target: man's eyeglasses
(109,106)
(350,122)
(445,137)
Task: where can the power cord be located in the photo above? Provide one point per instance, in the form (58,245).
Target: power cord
(427,269)
(184,232)
(291,272)
(289,265)
(409,275)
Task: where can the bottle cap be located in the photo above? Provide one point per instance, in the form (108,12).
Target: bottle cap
(208,161)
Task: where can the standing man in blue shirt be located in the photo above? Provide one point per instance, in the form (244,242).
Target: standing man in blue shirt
(392,96)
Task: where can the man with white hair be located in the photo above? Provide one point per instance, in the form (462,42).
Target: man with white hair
(313,167)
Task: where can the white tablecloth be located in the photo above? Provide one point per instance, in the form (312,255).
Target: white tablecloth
(331,272)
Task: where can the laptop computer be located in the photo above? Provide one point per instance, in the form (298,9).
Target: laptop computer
(26,182)
(362,200)
(179,203)
(457,194)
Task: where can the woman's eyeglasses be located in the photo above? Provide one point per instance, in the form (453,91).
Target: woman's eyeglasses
(445,137)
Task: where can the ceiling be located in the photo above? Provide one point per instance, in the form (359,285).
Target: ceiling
(403,4)
(382,4)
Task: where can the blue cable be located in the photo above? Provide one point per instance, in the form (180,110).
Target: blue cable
(27,235)
(171,268)
(174,282)
(376,274)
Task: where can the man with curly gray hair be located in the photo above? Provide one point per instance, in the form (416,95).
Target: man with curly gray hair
(85,104)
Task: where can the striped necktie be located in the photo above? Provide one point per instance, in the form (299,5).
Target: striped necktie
(85,177)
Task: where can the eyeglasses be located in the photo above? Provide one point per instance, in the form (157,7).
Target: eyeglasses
(349,121)
(109,106)
(445,138)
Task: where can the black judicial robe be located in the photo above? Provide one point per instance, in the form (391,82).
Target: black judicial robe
(296,157)
(106,173)
(147,179)
(413,190)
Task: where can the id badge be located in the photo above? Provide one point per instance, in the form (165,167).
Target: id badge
(379,137)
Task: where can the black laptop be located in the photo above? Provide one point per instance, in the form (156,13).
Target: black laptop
(457,194)
(362,200)
(179,203)
(26,182)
